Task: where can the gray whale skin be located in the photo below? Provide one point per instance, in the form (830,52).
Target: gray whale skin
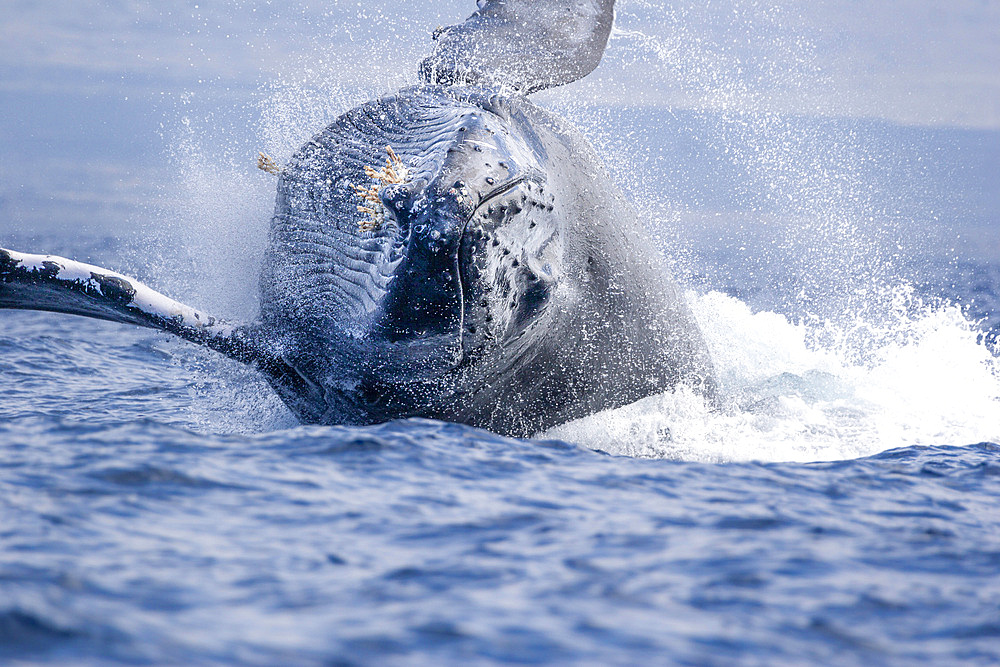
(500,279)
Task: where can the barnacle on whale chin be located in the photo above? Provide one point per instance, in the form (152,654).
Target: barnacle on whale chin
(393,173)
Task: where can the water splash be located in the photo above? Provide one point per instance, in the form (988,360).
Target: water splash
(917,376)
(827,355)
(208,228)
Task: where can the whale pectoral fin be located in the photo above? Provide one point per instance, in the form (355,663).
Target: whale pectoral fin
(56,284)
(528,45)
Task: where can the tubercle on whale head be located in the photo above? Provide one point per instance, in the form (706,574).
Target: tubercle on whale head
(510,260)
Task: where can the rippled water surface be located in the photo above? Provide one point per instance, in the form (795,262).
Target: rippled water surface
(137,527)
(418,542)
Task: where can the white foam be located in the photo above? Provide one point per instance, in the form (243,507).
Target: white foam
(791,392)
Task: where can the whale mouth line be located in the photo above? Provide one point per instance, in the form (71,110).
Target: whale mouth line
(498,191)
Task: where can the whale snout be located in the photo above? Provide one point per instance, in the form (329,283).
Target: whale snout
(419,323)
(456,283)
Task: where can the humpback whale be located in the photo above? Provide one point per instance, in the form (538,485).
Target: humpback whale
(451,251)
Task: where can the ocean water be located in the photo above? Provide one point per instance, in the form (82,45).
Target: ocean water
(158,504)
(138,528)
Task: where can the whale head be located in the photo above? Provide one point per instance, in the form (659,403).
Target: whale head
(458,256)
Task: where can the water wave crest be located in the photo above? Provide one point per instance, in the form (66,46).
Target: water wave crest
(920,376)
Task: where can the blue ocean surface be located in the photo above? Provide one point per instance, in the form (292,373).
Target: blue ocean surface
(134,531)
(159,505)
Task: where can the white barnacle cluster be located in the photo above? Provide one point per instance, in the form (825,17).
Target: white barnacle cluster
(393,173)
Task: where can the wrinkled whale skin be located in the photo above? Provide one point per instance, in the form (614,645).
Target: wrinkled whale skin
(556,306)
